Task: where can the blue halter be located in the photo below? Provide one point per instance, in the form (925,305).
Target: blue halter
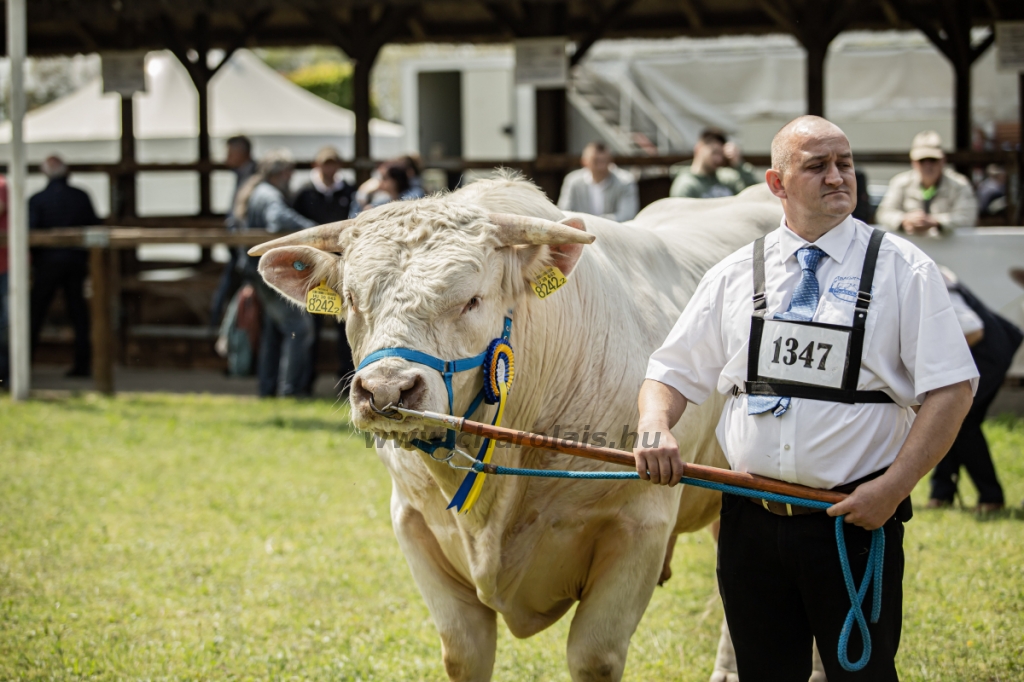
(447,368)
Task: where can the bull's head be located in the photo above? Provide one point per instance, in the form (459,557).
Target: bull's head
(433,275)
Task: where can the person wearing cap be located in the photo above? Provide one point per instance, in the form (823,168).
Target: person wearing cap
(820,338)
(930,198)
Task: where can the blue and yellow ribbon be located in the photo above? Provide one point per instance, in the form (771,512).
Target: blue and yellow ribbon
(499,373)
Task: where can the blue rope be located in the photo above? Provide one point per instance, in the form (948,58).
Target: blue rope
(873,572)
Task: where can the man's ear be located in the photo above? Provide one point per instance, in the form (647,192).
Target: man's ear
(295,270)
(773,179)
(565,256)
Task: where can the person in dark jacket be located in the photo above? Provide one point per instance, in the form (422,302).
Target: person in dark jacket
(327,198)
(993,341)
(60,205)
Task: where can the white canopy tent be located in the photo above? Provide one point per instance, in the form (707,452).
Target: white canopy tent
(246,97)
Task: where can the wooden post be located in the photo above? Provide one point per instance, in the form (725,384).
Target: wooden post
(361,108)
(203,88)
(102,329)
(18,292)
(125,205)
(201,76)
(815,61)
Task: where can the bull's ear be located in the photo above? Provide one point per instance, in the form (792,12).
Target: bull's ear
(567,255)
(295,270)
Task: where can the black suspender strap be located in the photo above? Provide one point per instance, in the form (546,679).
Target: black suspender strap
(760,308)
(860,312)
(760,301)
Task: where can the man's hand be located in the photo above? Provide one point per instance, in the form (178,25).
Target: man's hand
(656,450)
(662,459)
(870,505)
(937,423)
(918,222)
(733,154)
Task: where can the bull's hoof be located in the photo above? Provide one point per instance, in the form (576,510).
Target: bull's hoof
(724,676)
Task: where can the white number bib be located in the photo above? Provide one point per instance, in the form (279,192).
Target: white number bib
(803,353)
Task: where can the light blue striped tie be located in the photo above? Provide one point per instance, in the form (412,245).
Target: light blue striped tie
(802,307)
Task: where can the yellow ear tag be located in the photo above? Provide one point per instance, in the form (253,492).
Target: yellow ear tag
(550,281)
(323,300)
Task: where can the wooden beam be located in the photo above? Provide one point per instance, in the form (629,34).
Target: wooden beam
(507,17)
(600,26)
(692,12)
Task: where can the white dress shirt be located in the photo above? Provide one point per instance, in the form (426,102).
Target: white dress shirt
(912,345)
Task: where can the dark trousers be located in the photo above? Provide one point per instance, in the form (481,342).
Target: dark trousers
(286,345)
(782,587)
(970,451)
(65,273)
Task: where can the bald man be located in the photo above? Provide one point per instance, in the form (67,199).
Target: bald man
(824,334)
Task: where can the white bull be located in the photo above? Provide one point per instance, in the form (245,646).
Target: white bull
(437,275)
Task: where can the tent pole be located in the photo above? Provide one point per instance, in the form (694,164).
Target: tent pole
(17,210)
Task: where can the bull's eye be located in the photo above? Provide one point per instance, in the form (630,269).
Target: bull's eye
(473,304)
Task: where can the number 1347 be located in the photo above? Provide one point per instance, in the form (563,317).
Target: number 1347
(792,353)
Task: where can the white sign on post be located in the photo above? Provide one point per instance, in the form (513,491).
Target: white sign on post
(541,62)
(124,72)
(1010,46)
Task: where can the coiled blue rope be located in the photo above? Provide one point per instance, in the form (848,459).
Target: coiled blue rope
(873,572)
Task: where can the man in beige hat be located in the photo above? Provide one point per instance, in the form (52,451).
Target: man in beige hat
(930,198)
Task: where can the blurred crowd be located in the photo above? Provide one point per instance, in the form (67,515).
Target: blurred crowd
(259,329)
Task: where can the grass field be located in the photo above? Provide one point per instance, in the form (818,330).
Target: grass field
(163,537)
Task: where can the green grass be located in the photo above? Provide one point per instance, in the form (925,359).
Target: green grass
(164,537)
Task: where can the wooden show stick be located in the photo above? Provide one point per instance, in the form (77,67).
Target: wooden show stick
(620,457)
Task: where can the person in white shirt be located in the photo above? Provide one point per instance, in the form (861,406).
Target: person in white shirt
(600,188)
(851,328)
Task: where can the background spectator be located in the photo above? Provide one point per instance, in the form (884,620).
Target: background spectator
(326,198)
(60,205)
(864,211)
(285,367)
(992,191)
(993,341)
(412,169)
(930,197)
(600,188)
(390,182)
(239,160)
(5,362)
(718,169)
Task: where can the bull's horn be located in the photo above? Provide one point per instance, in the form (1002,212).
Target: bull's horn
(517,229)
(324,237)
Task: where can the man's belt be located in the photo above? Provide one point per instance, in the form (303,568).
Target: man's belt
(780,509)
(904,511)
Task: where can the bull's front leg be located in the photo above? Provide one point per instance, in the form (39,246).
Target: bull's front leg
(468,629)
(625,569)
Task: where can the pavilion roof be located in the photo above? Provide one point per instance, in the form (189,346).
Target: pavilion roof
(71,26)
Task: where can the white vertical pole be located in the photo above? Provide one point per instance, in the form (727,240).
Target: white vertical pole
(17,209)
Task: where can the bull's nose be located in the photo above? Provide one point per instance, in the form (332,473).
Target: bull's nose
(405,389)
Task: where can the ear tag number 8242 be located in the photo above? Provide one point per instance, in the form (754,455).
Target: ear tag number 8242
(550,281)
(323,300)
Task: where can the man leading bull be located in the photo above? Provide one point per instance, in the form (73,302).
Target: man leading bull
(825,333)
